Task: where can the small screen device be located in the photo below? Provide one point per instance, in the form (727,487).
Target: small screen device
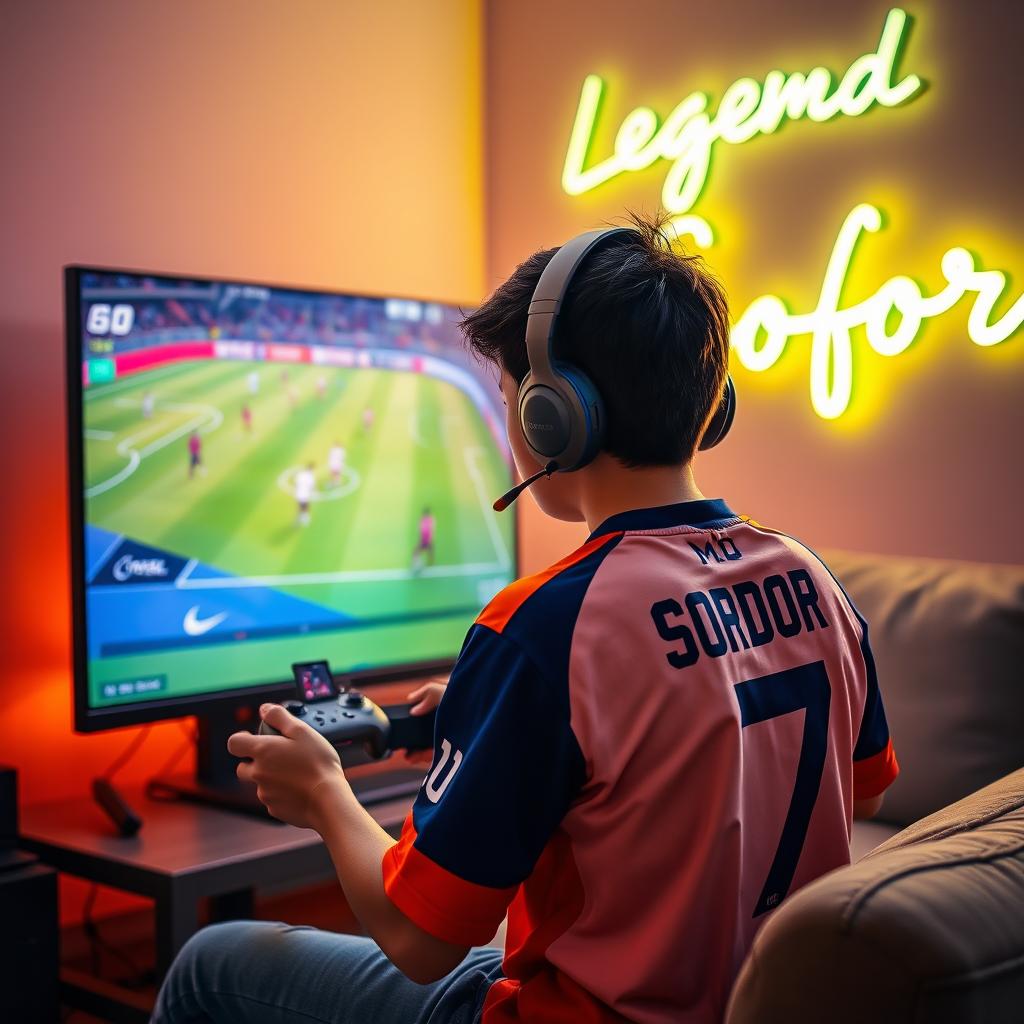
(314,681)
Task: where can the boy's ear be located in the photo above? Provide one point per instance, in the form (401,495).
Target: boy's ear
(509,388)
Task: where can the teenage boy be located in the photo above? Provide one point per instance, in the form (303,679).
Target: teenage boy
(642,749)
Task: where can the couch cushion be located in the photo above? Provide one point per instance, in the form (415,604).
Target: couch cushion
(929,927)
(1001,799)
(948,639)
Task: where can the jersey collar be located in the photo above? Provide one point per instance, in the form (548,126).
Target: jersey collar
(706,514)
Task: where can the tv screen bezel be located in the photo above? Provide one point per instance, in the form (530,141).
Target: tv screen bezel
(89,719)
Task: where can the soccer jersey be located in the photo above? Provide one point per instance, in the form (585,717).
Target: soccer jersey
(305,486)
(426,531)
(642,751)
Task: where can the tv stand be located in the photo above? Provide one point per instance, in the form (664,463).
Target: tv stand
(215,783)
(184,856)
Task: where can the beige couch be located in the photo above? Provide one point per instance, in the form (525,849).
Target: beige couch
(929,927)
(948,640)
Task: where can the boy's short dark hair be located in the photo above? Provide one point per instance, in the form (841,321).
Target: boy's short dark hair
(647,323)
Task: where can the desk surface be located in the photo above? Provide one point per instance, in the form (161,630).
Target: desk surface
(177,839)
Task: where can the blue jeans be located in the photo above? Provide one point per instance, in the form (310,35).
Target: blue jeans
(261,972)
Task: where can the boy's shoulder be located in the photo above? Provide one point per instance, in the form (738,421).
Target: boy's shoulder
(538,612)
(548,602)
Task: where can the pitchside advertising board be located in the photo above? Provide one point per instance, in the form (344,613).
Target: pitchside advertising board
(267,475)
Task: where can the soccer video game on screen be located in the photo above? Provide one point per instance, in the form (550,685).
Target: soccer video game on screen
(272,475)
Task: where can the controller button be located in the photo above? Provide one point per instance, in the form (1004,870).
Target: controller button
(348,714)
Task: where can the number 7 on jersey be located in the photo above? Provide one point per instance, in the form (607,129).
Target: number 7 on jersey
(771,696)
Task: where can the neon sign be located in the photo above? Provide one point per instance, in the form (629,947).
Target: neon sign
(761,334)
(748,108)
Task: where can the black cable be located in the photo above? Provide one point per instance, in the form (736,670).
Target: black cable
(154,791)
(98,944)
(192,732)
(127,754)
(89,926)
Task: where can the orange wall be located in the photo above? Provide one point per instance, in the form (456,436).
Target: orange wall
(323,144)
(926,461)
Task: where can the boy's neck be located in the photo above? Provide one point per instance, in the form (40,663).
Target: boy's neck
(606,487)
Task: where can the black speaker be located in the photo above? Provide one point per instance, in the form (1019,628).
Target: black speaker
(29,952)
(8,806)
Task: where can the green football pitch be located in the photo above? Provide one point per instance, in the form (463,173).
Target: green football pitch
(422,445)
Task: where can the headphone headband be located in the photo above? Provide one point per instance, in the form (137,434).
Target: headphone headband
(548,296)
(560,410)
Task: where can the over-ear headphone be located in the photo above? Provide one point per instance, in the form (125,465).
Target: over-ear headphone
(560,409)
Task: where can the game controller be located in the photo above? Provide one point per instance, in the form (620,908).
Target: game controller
(346,717)
(350,718)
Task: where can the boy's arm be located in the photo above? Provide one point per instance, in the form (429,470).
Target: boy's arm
(868,808)
(507,768)
(874,762)
(299,778)
(357,845)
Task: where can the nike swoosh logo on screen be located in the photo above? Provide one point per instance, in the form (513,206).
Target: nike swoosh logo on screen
(196,626)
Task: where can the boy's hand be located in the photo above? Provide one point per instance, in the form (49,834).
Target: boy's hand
(427,696)
(287,769)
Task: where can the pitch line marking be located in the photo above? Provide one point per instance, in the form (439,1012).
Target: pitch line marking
(470,456)
(414,428)
(209,420)
(185,573)
(95,568)
(99,435)
(352,483)
(119,477)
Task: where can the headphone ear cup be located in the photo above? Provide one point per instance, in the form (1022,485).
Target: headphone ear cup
(720,423)
(545,417)
(587,425)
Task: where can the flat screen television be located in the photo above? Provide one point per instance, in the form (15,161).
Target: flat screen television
(262,475)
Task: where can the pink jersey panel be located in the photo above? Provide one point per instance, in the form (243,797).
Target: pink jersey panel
(681,820)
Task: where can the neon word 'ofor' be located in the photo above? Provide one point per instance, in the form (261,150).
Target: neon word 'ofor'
(747,108)
(761,334)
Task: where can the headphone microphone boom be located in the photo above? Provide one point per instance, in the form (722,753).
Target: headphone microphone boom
(509,496)
(560,410)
